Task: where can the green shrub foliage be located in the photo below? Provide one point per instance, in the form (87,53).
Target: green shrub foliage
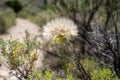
(7,19)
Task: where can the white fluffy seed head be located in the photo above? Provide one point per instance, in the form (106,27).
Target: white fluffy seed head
(58,27)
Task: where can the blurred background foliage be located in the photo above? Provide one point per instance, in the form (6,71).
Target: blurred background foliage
(7,19)
(37,11)
(85,13)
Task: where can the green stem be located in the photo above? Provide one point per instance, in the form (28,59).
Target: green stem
(64,58)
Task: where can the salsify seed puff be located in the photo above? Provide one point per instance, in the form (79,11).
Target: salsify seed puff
(59,29)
